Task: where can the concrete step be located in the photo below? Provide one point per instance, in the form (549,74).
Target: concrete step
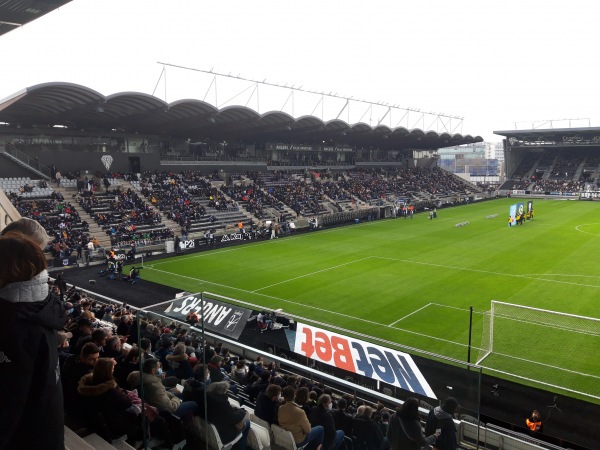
(74,441)
(97,442)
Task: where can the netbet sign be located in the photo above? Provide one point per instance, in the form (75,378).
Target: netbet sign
(362,358)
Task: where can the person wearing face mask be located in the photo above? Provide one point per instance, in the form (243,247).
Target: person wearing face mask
(157,395)
(267,403)
(321,415)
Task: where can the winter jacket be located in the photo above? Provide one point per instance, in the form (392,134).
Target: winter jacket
(438,418)
(223,415)
(407,434)
(155,392)
(292,418)
(31,402)
(111,401)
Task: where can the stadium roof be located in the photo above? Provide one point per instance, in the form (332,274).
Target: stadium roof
(15,13)
(539,133)
(77,107)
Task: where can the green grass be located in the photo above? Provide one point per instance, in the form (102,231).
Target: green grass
(411,282)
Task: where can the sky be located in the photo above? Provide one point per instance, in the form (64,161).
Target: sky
(492,63)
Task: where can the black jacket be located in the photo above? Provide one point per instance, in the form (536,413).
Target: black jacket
(367,432)
(407,434)
(319,416)
(31,403)
(438,418)
(266,409)
(223,416)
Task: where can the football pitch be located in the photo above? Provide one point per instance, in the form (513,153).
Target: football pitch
(410,283)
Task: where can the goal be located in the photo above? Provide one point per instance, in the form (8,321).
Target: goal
(556,349)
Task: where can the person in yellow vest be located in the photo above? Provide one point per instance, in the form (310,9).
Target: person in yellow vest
(534,423)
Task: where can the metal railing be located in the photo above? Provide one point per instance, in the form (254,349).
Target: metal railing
(32,163)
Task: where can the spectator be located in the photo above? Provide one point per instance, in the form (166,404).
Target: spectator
(180,365)
(341,418)
(82,330)
(100,394)
(441,417)
(130,363)
(302,399)
(228,420)
(74,368)
(30,228)
(114,348)
(156,393)
(63,346)
(320,416)
(214,367)
(267,404)
(193,387)
(367,431)
(31,317)
(240,372)
(292,418)
(404,432)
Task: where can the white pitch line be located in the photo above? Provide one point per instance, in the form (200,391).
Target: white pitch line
(545,365)
(408,315)
(309,274)
(587,232)
(310,307)
(489,272)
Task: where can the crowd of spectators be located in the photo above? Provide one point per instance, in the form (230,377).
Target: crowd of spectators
(125,217)
(60,219)
(553,185)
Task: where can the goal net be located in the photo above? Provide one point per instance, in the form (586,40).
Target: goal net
(555,349)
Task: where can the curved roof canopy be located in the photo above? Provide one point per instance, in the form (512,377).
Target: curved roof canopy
(15,13)
(78,107)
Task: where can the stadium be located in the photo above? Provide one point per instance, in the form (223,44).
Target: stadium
(380,274)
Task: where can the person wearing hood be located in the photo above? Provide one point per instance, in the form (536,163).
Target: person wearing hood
(442,418)
(32,317)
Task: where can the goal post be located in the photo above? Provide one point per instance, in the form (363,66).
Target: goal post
(550,347)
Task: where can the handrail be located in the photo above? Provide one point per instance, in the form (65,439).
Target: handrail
(32,163)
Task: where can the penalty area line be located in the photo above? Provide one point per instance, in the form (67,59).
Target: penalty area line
(408,315)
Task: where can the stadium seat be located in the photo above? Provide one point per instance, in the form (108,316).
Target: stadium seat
(283,438)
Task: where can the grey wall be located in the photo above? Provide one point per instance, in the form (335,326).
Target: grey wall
(66,161)
(9,168)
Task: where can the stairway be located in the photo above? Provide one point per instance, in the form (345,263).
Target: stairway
(95,229)
(24,160)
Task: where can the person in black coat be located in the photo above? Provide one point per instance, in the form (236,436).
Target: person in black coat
(442,418)
(101,395)
(267,404)
(228,420)
(341,418)
(404,431)
(321,415)
(31,403)
(367,431)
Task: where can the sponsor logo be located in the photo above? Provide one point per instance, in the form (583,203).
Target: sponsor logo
(233,320)
(187,244)
(65,262)
(363,358)
(232,237)
(4,358)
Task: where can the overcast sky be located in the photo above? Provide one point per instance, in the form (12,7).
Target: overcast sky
(493,63)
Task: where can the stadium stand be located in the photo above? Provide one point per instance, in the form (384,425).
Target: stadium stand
(126,322)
